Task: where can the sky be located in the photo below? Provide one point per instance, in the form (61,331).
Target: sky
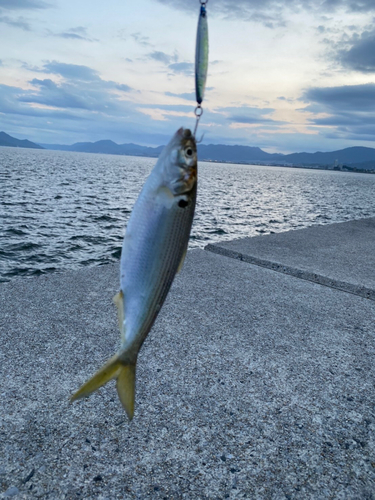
(284,75)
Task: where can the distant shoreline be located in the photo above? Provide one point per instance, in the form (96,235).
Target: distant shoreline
(344,168)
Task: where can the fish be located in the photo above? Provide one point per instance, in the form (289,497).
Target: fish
(153,251)
(201,55)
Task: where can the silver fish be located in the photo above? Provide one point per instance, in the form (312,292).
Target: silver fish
(201,55)
(154,248)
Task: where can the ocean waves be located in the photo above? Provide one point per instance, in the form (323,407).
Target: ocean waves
(62,210)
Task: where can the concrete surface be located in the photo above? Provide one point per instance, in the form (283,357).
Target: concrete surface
(252,384)
(337,255)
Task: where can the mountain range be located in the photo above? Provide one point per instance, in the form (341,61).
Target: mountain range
(354,157)
(7,140)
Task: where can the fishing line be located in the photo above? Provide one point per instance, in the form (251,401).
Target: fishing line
(201,61)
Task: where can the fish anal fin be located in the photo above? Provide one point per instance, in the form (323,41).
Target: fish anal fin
(109,371)
(126,388)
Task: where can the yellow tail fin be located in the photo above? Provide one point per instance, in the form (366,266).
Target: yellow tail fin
(125,375)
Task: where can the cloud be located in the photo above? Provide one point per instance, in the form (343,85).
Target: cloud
(19,23)
(273,13)
(23,4)
(76,72)
(58,96)
(71,71)
(141,39)
(122,86)
(361,55)
(162,57)
(180,108)
(79,33)
(189,96)
(12,103)
(248,115)
(171,61)
(343,98)
(185,68)
(73,111)
(81,88)
(349,110)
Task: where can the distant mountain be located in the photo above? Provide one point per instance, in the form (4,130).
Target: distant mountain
(7,140)
(355,157)
(347,156)
(221,152)
(108,147)
(213,152)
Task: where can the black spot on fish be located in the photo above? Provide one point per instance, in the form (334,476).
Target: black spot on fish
(183,203)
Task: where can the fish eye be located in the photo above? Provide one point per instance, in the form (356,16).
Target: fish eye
(189,152)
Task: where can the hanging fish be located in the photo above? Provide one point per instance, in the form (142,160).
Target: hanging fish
(201,55)
(154,248)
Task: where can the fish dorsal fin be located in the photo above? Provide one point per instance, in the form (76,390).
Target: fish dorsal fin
(181,264)
(118,299)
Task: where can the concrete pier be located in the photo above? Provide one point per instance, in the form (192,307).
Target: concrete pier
(257,380)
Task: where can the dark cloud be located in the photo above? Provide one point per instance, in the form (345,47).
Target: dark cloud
(75,76)
(15,23)
(345,98)
(11,103)
(23,4)
(361,55)
(81,88)
(58,96)
(350,109)
(273,13)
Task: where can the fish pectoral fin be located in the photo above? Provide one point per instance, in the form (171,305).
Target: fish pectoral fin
(125,375)
(126,388)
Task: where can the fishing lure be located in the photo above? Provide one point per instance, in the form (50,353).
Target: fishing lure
(201,60)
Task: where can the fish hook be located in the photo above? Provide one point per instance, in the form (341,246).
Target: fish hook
(201,139)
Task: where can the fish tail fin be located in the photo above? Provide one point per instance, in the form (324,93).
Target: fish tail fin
(126,388)
(113,369)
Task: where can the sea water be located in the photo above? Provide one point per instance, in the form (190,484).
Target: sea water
(63,210)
